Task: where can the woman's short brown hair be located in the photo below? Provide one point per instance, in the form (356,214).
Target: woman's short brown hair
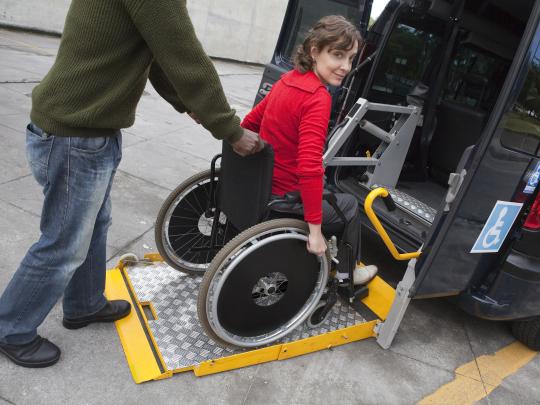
(334,30)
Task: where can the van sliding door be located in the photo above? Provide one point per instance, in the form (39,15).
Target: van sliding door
(466,244)
(299,17)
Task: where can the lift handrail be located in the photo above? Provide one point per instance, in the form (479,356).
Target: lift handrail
(368,207)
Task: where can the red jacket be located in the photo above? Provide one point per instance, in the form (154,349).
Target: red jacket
(293,118)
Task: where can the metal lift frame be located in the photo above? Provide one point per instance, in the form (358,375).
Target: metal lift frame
(385,164)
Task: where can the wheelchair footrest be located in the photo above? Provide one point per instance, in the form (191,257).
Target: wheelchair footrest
(355,293)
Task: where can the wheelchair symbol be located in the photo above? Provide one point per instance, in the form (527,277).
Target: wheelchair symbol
(533,181)
(496,228)
(493,236)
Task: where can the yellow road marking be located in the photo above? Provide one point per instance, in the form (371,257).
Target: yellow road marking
(478,378)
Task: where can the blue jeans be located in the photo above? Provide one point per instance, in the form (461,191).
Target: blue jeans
(70,256)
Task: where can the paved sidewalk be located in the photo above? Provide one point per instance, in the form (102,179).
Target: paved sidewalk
(160,150)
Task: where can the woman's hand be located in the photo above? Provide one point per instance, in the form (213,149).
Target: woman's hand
(316,243)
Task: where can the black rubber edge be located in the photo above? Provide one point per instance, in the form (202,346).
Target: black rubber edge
(147,333)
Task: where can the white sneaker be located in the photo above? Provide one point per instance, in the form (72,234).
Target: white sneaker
(364,274)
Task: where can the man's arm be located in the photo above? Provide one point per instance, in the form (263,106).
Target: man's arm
(247,144)
(164,87)
(167,29)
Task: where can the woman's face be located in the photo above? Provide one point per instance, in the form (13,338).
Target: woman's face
(332,65)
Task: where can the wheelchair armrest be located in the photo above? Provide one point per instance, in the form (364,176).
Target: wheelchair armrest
(293,197)
(290,198)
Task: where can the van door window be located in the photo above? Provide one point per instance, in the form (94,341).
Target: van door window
(522,122)
(308,12)
(406,57)
(299,17)
(475,78)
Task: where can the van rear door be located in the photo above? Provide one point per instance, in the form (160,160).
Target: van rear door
(501,168)
(299,17)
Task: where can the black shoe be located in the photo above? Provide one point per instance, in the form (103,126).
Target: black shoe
(36,354)
(113,311)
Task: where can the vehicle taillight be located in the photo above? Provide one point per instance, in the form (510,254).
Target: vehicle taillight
(533,219)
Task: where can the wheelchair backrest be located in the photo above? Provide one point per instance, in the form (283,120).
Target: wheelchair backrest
(245,186)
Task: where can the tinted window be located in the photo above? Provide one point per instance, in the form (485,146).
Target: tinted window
(308,12)
(522,122)
(406,57)
(475,78)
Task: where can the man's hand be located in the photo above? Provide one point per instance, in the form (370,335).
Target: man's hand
(194,117)
(248,144)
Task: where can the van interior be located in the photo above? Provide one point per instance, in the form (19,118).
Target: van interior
(461,53)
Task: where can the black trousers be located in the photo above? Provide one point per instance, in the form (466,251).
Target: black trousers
(332,224)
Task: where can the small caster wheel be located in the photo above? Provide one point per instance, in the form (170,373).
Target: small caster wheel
(127,259)
(318,316)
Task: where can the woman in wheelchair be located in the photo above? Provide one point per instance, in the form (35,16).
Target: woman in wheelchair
(259,281)
(294,118)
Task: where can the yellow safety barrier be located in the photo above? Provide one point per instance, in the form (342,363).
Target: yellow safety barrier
(368,207)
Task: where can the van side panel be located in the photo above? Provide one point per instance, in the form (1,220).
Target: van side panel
(514,294)
(454,268)
(495,173)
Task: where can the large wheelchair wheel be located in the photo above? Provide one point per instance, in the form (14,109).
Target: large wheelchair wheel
(184,225)
(261,285)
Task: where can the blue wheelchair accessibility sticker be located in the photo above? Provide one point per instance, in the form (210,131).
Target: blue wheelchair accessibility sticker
(497,227)
(533,180)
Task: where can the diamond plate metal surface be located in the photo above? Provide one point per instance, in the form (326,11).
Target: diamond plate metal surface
(178,334)
(412,205)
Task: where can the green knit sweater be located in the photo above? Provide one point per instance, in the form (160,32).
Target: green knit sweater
(109,49)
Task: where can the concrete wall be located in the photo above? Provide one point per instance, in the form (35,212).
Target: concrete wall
(243,30)
(48,15)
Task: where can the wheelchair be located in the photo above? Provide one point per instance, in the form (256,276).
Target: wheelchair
(259,282)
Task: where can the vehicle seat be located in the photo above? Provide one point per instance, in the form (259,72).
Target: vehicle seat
(458,126)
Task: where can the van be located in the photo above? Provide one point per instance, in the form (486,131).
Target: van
(465,175)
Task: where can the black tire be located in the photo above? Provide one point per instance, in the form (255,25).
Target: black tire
(181,227)
(233,249)
(315,319)
(528,332)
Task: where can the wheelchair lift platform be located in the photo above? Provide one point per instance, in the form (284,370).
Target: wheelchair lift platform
(162,335)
